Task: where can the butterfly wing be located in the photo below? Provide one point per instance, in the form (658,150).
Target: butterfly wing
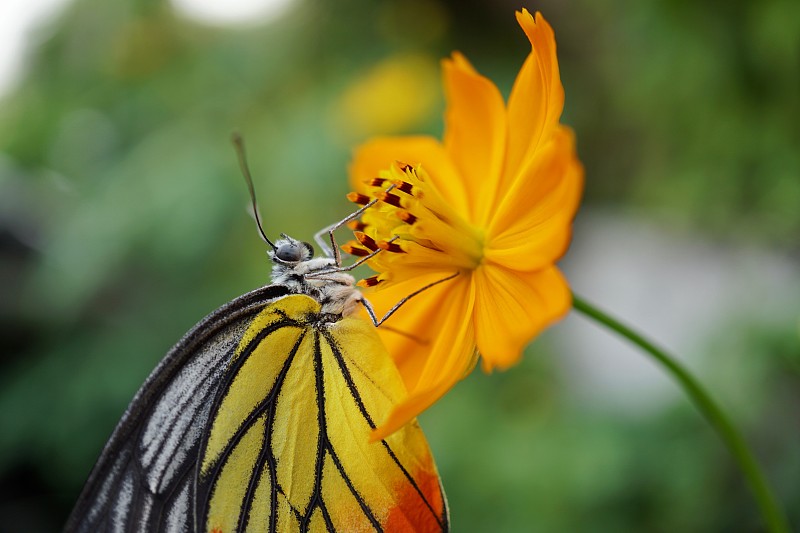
(289,446)
(143,480)
(259,420)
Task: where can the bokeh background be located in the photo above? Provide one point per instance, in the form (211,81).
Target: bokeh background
(123,222)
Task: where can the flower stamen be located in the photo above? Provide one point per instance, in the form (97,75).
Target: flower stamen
(389,198)
(369,282)
(406,217)
(377,182)
(389,246)
(430,234)
(366,240)
(356,225)
(358,198)
(404,186)
(353,249)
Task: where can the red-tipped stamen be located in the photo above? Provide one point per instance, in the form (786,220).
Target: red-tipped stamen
(353,249)
(366,240)
(404,186)
(368,282)
(391,247)
(358,198)
(389,198)
(406,217)
(356,225)
(376,182)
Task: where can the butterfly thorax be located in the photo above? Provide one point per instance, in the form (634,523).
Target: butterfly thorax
(295,267)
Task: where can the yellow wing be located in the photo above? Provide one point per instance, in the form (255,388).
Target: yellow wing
(288,447)
(258,420)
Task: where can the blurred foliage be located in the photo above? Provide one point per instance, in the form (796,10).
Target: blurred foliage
(122,221)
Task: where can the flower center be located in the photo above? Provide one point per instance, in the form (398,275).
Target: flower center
(415,227)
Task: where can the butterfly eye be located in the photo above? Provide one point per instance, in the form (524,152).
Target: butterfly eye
(290,252)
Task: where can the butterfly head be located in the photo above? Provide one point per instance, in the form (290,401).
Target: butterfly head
(288,251)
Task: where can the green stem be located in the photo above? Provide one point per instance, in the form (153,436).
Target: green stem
(770,510)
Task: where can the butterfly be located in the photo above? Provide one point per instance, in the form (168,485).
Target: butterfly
(259,419)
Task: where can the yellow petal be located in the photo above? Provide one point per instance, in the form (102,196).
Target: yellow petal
(475,132)
(380,153)
(537,98)
(430,370)
(532,226)
(513,307)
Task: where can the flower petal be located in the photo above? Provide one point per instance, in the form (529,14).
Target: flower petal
(378,154)
(533,225)
(537,98)
(513,307)
(441,317)
(475,132)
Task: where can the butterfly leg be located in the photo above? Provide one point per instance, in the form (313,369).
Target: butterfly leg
(390,312)
(333,250)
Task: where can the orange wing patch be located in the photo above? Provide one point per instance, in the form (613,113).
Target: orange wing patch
(407,515)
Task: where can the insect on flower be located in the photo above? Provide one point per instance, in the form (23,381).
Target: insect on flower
(260,418)
(489,209)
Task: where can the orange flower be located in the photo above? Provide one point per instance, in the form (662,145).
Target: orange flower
(493,204)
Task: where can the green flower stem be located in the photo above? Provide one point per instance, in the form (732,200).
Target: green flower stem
(770,510)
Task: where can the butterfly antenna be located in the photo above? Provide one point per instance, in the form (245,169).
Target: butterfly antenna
(238,143)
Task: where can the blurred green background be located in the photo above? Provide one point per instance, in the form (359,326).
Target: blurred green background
(123,222)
